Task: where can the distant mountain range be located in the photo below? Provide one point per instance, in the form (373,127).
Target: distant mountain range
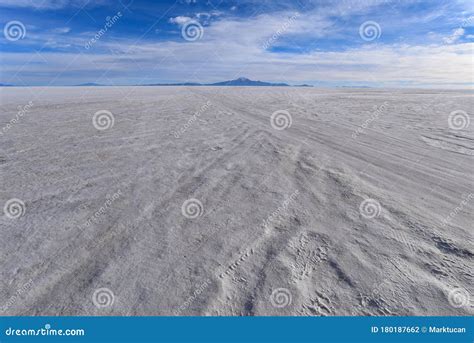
(89,84)
(241,81)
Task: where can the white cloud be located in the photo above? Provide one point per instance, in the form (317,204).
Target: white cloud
(179,20)
(202,17)
(232,47)
(457,33)
(50,4)
(61,30)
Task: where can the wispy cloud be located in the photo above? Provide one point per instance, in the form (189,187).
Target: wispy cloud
(61,30)
(321,45)
(180,20)
(457,33)
(50,4)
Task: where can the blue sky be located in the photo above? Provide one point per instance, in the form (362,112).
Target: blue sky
(387,43)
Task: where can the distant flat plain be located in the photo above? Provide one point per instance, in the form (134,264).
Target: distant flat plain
(362,206)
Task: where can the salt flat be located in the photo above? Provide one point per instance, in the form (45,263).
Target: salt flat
(193,201)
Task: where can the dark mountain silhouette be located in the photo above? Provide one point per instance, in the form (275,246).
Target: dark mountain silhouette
(89,84)
(241,81)
(175,84)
